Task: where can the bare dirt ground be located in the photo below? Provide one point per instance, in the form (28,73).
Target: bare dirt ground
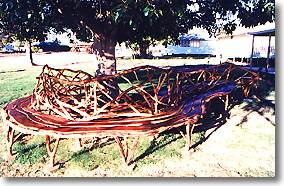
(76,60)
(242,147)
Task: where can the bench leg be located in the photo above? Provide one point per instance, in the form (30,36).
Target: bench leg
(127,153)
(189,131)
(51,152)
(226,102)
(188,135)
(79,143)
(11,139)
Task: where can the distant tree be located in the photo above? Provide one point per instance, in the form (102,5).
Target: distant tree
(109,22)
(25,20)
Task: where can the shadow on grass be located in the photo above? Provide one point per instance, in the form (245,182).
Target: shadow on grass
(23,142)
(29,154)
(256,107)
(262,103)
(95,144)
(21,70)
(167,138)
(156,145)
(30,147)
(208,124)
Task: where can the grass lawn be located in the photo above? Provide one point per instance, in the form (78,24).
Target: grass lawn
(161,157)
(16,84)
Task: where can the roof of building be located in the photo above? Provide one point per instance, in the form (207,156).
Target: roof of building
(264,32)
(192,37)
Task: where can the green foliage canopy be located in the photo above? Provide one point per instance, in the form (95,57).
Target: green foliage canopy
(129,20)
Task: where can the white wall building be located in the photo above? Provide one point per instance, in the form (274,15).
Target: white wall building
(196,42)
(239,44)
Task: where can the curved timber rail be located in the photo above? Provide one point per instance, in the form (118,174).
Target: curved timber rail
(143,101)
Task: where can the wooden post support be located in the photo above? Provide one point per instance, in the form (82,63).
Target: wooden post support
(189,131)
(268,53)
(51,152)
(252,48)
(11,139)
(127,153)
(76,145)
(120,147)
(79,143)
(226,102)
(188,135)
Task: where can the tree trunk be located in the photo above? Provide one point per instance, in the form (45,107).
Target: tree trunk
(143,51)
(143,47)
(105,51)
(29,52)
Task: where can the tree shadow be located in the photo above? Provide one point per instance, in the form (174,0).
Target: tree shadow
(156,145)
(251,107)
(26,149)
(209,124)
(261,103)
(25,152)
(30,147)
(206,124)
(97,143)
(257,101)
(3,72)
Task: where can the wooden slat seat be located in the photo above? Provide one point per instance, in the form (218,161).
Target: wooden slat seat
(22,117)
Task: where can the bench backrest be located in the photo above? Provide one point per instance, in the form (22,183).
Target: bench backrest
(141,91)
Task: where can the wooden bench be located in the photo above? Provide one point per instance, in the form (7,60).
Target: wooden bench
(142,101)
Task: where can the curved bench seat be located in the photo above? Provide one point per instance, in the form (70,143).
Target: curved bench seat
(27,120)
